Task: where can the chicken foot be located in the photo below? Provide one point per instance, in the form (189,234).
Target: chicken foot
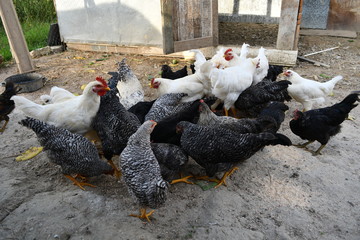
(226,174)
(182,179)
(143,214)
(3,127)
(303,145)
(117,172)
(220,182)
(79,184)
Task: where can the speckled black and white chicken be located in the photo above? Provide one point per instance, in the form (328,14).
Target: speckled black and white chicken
(270,120)
(73,152)
(243,125)
(167,105)
(141,171)
(165,130)
(114,125)
(217,149)
(129,86)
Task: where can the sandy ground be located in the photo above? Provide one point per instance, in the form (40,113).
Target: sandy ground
(279,193)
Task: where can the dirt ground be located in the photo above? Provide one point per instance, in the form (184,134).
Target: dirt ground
(279,193)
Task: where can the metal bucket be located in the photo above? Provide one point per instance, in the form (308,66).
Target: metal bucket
(28,82)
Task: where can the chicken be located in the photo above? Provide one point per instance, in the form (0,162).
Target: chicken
(274,72)
(191,85)
(262,70)
(167,72)
(57,95)
(309,92)
(114,125)
(233,58)
(75,115)
(73,152)
(129,87)
(140,109)
(220,60)
(7,105)
(269,120)
(141,171)
(199,60)
(230,82)
(217,149)
(171,159)
(255,98)
(275,110)
(165,130)
(323,123)
(167,105)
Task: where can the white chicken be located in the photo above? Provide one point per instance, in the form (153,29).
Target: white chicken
(219,59)
(75,114)
(263,68)
(233,58)
(129,86)
(191,84)
(230,82)
(57,95)
(309,92)
(199,59)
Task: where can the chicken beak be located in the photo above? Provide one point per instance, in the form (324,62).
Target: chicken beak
(107,89)
(150,85)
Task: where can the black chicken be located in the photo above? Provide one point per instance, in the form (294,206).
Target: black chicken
(140,109)
(323,123)
(7,105)
(165,130)
(217,149)
(171,159)
(255,98)
(73,152)
(275,110)
(114,125)
(274,72)
(167,72)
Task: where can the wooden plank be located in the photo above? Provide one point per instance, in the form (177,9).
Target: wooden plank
(275,56)
(215,22)
(15,36)
(287,25)
(167,25)
(193,43)
(206,21)
(334,33)
(196,5)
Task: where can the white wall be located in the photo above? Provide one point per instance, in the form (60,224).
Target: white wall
(122,22)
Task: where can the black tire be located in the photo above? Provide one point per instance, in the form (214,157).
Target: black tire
(54,35)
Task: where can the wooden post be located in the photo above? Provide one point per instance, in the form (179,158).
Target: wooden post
(15,35)
(287,24)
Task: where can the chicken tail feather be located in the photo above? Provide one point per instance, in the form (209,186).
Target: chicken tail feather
(28,107)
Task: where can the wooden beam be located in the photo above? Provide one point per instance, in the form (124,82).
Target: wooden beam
(193,43)
(15,36)
(287,25)
(167,26)
(334,33)
(275,56)
(215,22)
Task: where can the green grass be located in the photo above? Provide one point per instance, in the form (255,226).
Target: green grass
(35,33)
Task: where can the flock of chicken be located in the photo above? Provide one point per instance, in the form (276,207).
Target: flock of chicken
(155,138)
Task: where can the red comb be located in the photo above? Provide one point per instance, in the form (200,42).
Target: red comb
(227,51)
(201,100)
(102,81)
